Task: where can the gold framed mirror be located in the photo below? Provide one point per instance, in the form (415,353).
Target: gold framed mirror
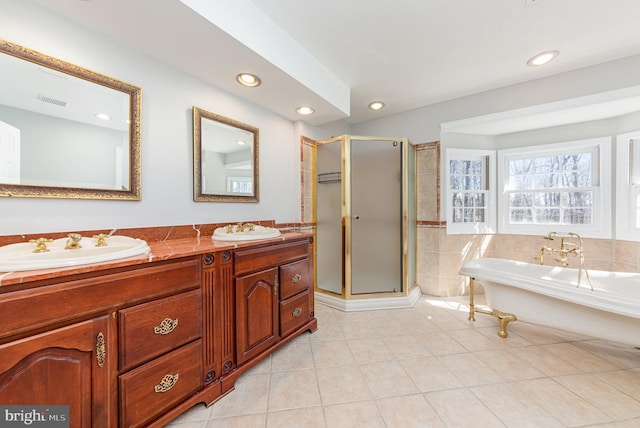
(66,131)
(225,159)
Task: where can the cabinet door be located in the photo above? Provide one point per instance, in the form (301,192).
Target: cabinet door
(64,367)
(256,313)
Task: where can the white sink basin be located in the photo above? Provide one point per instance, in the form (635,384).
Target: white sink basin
(19,257)
(258,232)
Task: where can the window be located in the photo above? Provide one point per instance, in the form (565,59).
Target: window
(628,187)
(470,195)
(556,187)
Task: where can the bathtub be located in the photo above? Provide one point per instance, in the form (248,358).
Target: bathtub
(550,296)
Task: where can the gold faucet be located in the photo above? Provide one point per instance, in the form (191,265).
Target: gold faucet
(567,249)
(41,244)
(73,242)
(101,238)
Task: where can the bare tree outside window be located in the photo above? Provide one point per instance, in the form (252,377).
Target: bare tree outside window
(552,190)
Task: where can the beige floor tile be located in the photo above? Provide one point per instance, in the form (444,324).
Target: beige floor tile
(344,385)
(309,417)
(540,359)
(513,408)
(472,340)
(470,370)
(195,416)
(293,356)
(387,379)
(406,346)
(244,421)
(429,374)
(293,389)
(249,396)
(412,411)
(561,403)
(440,343)
(600,394)
(334,353)
(581,358)
(353,415)
(428,366)
(508,365)
(327,332)
(627,381)
(460,408)
(369,350)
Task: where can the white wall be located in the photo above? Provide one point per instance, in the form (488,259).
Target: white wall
(168,96)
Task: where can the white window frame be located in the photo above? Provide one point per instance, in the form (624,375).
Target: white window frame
(601,227)
(489,225)
(628,187)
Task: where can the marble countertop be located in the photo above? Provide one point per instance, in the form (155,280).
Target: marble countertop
(160,250)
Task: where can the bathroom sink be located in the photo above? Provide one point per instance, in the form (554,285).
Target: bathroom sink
(231,233)
(21,256)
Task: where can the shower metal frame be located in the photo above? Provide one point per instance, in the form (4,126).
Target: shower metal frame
(347,217)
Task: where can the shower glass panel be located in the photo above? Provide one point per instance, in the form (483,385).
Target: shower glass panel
(329,266)
(376,216)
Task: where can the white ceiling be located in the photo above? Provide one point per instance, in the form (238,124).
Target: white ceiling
(339,55)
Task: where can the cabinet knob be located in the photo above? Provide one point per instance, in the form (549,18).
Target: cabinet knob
(296,278)
(167,382)
(166,326)
(296,312)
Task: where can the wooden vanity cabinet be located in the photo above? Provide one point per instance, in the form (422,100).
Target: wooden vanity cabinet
(274,286)
(67,366)
(139,345)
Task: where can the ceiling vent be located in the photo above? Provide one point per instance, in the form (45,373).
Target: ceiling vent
(529,3)
(50,100)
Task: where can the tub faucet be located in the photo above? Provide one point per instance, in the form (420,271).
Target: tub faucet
(567,249)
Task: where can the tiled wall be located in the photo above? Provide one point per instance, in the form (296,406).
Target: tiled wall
(440,255)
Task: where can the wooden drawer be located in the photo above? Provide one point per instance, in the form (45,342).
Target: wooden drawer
(154,328)
(294,312)
(70,300)
(255,259)
(294,278)
(151,389)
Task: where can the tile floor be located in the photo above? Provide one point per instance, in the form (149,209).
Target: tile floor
(429,367)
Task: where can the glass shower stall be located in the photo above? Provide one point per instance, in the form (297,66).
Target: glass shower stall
(365,217)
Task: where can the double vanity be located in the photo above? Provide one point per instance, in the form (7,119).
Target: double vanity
(139,340)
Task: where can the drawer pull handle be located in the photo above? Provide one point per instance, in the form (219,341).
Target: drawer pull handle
(296,278)
(296,312)
(101,352)
(167,382)
(166,326)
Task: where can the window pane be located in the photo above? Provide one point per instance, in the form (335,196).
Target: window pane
(521,215)
(520,200)
(457,200)
(577,216)
(547,215)
(577,199)
(547,199)
(480,215)
(545,165)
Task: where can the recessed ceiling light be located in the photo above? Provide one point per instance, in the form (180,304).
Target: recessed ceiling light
(248,79)
(376,105)
(241,142)
(103,116)
(305,110)
(542,58)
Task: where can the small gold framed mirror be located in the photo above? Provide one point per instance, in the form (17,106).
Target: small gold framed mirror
(225,159)
(66,131)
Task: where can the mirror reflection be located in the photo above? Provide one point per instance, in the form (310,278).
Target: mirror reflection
(225,159)
(66,131)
